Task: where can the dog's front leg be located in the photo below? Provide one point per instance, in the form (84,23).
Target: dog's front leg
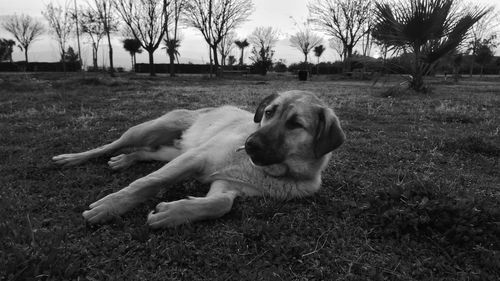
(116,204)
(218,202)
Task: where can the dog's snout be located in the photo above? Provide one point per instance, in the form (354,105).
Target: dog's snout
(252,145)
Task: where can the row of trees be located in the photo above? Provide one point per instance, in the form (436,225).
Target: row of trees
(427,29)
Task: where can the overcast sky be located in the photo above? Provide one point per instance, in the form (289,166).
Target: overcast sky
(281,14)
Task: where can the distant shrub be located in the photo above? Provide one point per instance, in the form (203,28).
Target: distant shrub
(279,67)
(188,68)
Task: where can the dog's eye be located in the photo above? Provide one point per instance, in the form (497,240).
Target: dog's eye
(269,113)
(294,124)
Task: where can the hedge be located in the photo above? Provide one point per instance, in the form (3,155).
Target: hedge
(39,66)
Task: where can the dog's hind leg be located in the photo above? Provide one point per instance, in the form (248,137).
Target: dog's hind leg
(164,153)
(159,132)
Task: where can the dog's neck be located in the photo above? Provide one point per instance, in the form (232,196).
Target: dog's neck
(275,170)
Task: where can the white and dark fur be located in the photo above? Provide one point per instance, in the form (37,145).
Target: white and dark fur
(279,151)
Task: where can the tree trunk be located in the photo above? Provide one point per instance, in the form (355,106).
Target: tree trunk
(317,67)
(241,58)
(172,64)
(26,55)
(216,58)
(135,61)
(132,60)
(211,61)
(94,56)
(152,71)
(417,82)
(347,60)
(63,59)
(111,68)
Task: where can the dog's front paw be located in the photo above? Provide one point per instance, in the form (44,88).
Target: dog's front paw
(69,159)
(169,214)
(121,162)
(110,206)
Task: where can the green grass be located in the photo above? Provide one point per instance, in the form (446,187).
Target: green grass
(412,195)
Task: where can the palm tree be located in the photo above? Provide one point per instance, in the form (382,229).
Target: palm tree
(133,46)
(318,51)
(172,48)
(428,29)
(242,44)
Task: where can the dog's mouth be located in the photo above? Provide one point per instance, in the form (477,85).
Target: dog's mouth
(264,159)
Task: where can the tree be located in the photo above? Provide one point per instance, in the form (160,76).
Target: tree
(231,60)
(428,29)
(305,40)
(215,19)
(25,29)
(226,46)
(484,52)
(70,56)
(146,21)
(6,49)
(262,59)
(263,40)
(104,11)
(484,29)
(346,20)
(132,46)
(318,51)
(172,49)
(94,28)
(173,15)
(60,23)
(264,37)
(337,45)
(241,44)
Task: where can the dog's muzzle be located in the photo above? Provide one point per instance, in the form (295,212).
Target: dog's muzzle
(261,152)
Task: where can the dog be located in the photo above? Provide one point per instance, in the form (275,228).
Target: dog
(279,151)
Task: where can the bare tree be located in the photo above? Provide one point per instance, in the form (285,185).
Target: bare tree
(226,46)
(305,40)
(146,21)
(173,14)
(347,20)
(337,45)
(264,37)
(104,11)
(216,18)
(94,28)
(25,29)
(61,25)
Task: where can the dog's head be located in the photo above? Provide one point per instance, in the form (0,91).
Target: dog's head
(294,125)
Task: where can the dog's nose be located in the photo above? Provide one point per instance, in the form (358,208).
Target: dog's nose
(252,145)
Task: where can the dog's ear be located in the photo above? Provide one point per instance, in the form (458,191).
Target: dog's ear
(329,134)
(263,104)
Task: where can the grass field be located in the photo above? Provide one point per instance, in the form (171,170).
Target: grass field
(413,194)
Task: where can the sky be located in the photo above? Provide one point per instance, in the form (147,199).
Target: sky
(284,15)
